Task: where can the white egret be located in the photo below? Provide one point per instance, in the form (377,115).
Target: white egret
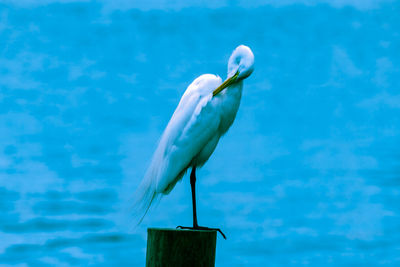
(204,113)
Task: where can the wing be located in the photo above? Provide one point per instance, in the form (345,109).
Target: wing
(192,125)
(180,151)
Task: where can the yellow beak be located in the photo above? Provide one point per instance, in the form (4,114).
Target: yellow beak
(225,84)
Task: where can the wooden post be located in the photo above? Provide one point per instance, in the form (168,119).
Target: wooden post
(174,247)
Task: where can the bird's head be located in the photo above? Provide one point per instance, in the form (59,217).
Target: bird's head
(242,61)
(240,66)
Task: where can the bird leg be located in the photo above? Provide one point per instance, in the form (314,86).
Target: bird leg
(195,225)
(193,187)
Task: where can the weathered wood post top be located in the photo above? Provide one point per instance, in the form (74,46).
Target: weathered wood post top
(175,247)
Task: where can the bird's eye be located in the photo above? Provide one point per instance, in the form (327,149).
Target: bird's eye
(237,60)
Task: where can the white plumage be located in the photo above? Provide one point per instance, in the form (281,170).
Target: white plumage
(204,113)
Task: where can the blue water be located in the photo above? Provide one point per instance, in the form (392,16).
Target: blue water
(307,175)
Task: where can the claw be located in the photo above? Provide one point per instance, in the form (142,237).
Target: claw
(201,228)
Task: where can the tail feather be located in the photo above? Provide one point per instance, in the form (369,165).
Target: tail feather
(145,194)
(150,188)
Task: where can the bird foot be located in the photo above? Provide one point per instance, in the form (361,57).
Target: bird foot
(201,228)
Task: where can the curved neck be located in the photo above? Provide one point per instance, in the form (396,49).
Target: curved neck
(230,105)
(234,90)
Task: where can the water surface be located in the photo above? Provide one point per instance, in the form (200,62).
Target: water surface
(307,175)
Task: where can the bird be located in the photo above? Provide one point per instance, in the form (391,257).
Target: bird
(204,114)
